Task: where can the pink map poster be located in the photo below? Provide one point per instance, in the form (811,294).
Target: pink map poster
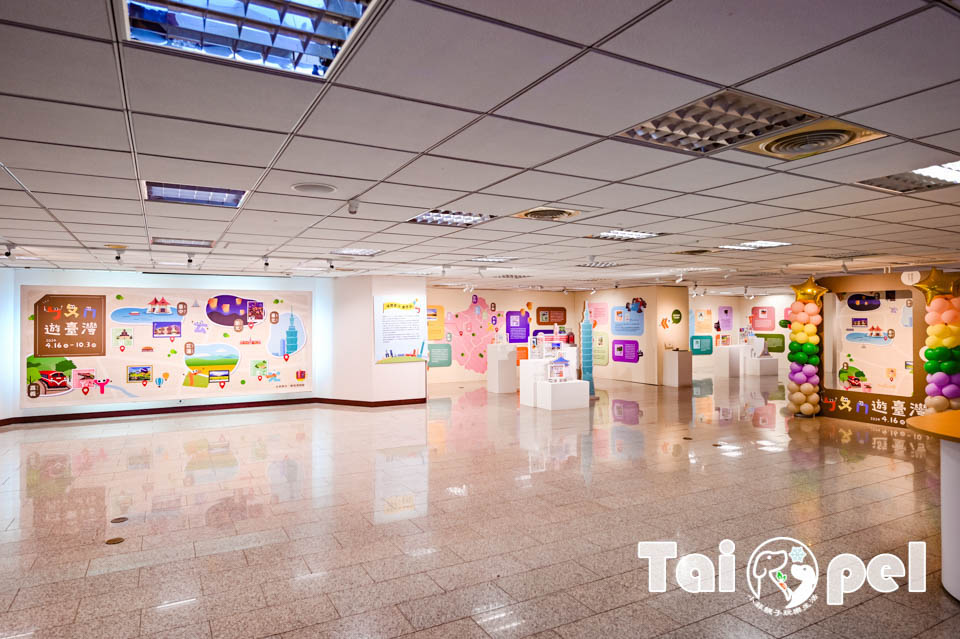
(471,330)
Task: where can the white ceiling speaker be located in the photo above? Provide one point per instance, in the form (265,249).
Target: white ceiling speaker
(314,188)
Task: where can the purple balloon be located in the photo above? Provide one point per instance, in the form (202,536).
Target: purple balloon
(933,390)
(809,369)
(955,379)
(796,368)
(929,379)
(800,378)
(814,379)
(940,378)
(951,391)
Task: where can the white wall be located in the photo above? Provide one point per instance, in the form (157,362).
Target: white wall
(354,375)
(9,343)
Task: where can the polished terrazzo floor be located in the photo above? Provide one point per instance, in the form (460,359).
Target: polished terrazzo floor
(467,517)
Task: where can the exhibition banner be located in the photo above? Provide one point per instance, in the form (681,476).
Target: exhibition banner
(400,329)
(86,345)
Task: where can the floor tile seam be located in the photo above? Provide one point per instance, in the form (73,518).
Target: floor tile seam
(693,623)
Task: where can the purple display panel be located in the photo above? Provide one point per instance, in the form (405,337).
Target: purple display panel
(726,318)
(626,350)
(518,327)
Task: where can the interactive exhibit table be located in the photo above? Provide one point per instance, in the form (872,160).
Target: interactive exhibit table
(945,426)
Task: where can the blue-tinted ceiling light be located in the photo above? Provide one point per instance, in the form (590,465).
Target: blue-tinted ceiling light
(304,36)
(185,194)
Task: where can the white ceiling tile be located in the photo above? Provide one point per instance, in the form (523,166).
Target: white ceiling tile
(333,234)
(194,173)
(66,159)
(895,203)
(165,83)
(742,213)
(215,227)
(623,219)
(503,141)
(687,205)
(622,196)
(698,175)
(419,196)
(886,161)
(745,157)
(493,204)
(42,121)
(480,233)
(38,64)
(291,204)
(450,174)
(189,211)
(906,56)
(21,212)
(949,140)
(517,225)
(352,224)
(199,141)
(86,17)
(431,51)
(90,217)
(800,218)
(916,115)
(82,203)
(281,182)
(676,225)
(950,194)
(543,186)
(729,41)
(927,216)
(310,155)
(570,19)
(71,183)
(765,188)
(828,197)
(368,118)
(250,221)
(614,160)
(607,97)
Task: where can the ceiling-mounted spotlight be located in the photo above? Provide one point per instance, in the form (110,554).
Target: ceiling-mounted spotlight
(616,285)
(353,206)
(443,270)
(843,267)
(189,259)
(330,264)
(591,259)
(9,250)
(565,292)
(466,287)
(592,291)
(266,262)
(679,278)
(727,275)
(119,256)
(472,287)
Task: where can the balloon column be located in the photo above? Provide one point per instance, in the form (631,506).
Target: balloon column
(942,346)
(805,319)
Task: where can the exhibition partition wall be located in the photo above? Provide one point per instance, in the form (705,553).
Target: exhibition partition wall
(155,342)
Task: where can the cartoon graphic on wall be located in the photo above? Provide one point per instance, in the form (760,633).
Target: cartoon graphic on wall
(702,320)
(140,364)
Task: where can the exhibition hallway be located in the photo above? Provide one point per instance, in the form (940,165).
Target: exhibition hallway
(468,516)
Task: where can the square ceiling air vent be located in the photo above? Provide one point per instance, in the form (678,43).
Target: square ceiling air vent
(926,179)
(547,214)
(717,122)
(304,36)
(812,139)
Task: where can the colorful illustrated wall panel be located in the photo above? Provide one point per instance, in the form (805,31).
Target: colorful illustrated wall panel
(400,329)
(81,346)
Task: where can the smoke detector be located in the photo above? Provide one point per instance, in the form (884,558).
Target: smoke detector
(547,214)
(717,122)
(812,139)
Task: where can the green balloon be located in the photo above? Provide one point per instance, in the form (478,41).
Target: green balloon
(795,347)
(930,354)
(810,349)
(942,354)
(931,367)
(950,368)
(791,357)
(801,358)
(814,359)
(955,352)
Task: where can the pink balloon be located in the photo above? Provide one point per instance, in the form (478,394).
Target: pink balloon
(802,317)
(933,390)
(816,319)
(811,308)
(796,307)
(939,305)
(932,318)
(955,302)
(950,317)
(792,317)
(814,379)
(951,391)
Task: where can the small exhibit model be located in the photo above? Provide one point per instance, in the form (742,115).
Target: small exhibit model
(586,348)
(559,370)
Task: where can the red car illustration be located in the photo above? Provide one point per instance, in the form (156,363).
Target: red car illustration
(53,380)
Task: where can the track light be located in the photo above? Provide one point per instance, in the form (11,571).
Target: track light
(466,287)
(565,292)
(330,264)
(843,267)
(9,250)
(679,278)
(592,291)
(266,262)
(119,256)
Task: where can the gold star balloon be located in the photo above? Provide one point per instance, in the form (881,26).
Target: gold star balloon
(937,283)
(809,291)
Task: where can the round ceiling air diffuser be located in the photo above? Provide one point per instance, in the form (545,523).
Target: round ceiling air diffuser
(314,188)
(809,142)
(547,214)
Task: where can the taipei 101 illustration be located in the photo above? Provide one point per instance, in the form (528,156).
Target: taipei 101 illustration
(291,341)
(586,348)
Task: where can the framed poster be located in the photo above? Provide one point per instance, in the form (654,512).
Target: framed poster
(399,329)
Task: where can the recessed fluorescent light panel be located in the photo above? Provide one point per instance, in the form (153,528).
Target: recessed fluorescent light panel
(717,122)
(920,180)
(186,194)
(460,219)
(622,235)
(491,259)
(753,246)
(303,36)
(598,265)
(360,252)
(182,243)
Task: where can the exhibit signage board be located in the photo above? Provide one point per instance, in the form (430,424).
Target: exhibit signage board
(102,345)
(400,329)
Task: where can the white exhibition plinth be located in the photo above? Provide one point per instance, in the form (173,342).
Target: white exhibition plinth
(501,368)
(677,368)
(563,395)
(762,366)
(531,371)
(729,360)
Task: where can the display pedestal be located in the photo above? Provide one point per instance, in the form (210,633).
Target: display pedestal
(762,366)
(563,395)
(501,368)
(729,360)
(531,371)
(677,368)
